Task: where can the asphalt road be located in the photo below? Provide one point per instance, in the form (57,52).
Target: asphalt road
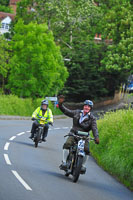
(28,173)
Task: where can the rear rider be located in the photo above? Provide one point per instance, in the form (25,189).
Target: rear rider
(42,111)
(84,121)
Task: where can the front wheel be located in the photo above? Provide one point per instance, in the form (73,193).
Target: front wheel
(37,138)
(77,169)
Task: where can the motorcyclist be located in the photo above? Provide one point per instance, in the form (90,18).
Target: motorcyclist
(83,120)
(42,112)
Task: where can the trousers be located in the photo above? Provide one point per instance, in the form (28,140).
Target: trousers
(70,142)
(34,127)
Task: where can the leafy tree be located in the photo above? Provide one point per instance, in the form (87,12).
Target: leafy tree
(37,68)
(4,2)
(4,57)
(65,18)
(5,9)
(118,25)
(74,24)
(85,78)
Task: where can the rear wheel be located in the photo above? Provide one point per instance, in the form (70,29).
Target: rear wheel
(77,169)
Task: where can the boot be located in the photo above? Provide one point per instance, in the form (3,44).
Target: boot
(83,168)
(44,140)
(32,136)
(64,166)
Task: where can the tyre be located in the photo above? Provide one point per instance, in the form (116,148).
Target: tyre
(36,143)
(37,138)
(77,169)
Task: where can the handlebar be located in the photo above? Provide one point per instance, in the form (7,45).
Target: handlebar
(77,136)
(38,118)
(43,119)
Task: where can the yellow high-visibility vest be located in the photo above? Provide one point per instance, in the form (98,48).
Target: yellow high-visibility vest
(39,113)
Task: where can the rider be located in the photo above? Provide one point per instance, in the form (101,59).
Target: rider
(42,112)
(83,120)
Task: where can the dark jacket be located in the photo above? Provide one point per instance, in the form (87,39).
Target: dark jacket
(86,125)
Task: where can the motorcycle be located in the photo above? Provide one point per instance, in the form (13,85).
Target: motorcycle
(39,131)
(76,155)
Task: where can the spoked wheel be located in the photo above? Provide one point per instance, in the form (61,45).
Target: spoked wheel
(77,169)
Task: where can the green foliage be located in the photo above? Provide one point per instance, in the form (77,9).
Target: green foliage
(65,18)
(74,24)
(115,152)
(4,2)
(118,25)
(4,56)
(85,78)
(37,68)
(100,69)
(5,9)
(12,105)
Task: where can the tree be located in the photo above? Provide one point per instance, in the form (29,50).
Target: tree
(4,58)
(65,18)
(37,67)
(4,2)
(85,80)
(74,24)
(5,9)
(118,25)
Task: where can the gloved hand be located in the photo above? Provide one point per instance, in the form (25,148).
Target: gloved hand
(50,123)
(61,99)
(97,140)
(33,118)
(42,118)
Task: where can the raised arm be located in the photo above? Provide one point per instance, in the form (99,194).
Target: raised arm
(66,111)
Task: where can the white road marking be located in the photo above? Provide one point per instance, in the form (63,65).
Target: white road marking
(7,159)
(57,128)
(12,138)
(21,133)
(65,127)
(6,146)
(27,187)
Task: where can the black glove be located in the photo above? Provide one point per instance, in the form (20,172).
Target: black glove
(33,118)
(50,123)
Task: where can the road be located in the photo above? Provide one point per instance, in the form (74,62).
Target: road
(28,173)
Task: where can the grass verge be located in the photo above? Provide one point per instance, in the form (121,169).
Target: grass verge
(115,151)
(12,105)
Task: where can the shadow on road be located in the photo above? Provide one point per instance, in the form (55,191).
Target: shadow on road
(32,145)
(57,175)
(113,190)
(24,143)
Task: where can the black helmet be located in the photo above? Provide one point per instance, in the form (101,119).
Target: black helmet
(44,102)
(89,103)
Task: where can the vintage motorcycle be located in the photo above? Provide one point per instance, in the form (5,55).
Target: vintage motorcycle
(76,155)
(39,131)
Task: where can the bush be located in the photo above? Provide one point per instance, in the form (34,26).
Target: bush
(12,105)
(115,151)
